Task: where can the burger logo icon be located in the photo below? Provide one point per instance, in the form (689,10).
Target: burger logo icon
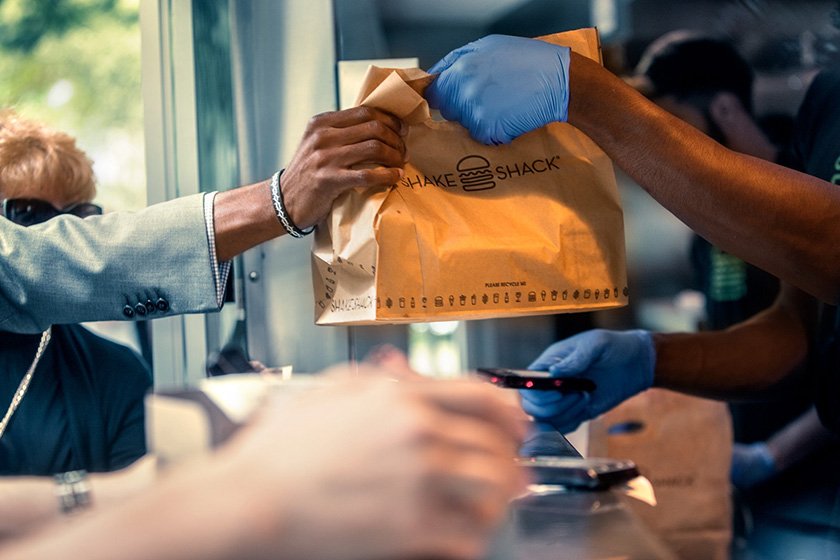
(474,172)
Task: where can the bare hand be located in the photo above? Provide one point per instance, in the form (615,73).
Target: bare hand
(359,147)
(372,468)
(391,359)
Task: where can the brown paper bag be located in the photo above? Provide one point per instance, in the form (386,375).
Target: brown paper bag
(683,445)
(473,231)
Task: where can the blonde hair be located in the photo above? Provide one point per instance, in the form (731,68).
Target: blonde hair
(38,162)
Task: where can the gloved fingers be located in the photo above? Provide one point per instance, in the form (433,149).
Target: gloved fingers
(542,398)
(580,353)
(447,61)
(577,411)
(434,94)
(481,135)
(752,464)
(573,365)
(488,45)
(572,357)
(441,91)
(571,402)
(487,135)
(566,419)
(563,102)
(573,417)
(440,95)
(556,353)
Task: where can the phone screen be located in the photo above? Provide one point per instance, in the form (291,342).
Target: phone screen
(536,380)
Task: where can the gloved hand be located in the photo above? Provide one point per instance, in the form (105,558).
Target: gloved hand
(752,464)
(621,363)
(500,87)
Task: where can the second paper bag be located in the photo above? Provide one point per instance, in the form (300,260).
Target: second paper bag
(472,231)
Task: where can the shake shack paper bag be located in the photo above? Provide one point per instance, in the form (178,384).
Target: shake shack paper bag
(473,231)
(683,445)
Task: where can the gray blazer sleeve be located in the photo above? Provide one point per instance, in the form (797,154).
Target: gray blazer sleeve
(115,266)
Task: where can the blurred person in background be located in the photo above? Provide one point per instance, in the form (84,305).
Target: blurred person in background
(782,455)
(84,402)
(79,404)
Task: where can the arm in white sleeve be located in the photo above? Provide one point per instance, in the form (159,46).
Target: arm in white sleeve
(220,271)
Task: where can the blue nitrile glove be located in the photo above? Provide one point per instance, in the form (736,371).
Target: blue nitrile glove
(621,363)
(752,464)
(500,87)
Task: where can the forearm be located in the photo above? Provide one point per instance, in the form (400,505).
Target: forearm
(750,357)
(26,503)
(194,513)
(243,218)
(741,204)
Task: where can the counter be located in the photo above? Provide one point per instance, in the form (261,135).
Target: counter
(578,525)
(561,524)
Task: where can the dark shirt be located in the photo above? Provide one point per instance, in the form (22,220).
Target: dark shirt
(805,496)
(735,291)
(83,408)
(815,149)
(815,146)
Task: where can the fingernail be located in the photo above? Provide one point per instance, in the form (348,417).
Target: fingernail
(403,128)
(402,172)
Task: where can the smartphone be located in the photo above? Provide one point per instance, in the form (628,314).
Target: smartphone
(592,473)
(537,380)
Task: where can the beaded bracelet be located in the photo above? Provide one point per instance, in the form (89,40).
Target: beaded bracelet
(280,209)
(73,491)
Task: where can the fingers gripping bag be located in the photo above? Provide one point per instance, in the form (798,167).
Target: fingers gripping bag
(473,231)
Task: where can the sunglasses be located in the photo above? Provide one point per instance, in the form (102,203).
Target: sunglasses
(31,211)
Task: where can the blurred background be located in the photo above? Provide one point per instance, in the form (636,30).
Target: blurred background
(174,97)
(76,66)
